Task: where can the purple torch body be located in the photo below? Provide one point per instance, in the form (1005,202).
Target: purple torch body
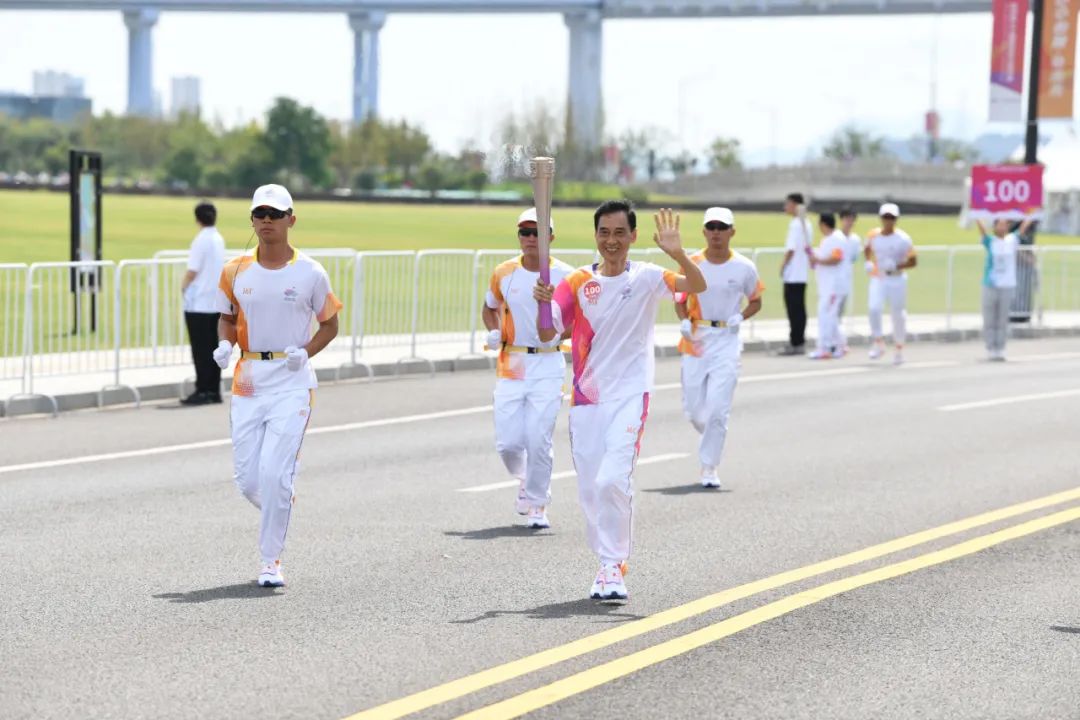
(542,173)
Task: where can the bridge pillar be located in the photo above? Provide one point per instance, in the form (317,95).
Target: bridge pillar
(140,24)
(585,103)
(366,27)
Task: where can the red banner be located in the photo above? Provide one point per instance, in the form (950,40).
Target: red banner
(1007,59)
(1058,59)
(1006,191)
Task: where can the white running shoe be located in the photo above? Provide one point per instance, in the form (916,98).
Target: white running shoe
(876,351)
(819,355)
(538,518)
(898,358)
(708,477)
(271,576)
(609,584)
(521,506)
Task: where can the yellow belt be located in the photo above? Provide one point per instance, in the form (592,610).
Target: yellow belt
(712,323)
(249,355)
(535,350)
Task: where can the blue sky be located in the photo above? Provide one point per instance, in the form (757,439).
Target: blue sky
(456,75)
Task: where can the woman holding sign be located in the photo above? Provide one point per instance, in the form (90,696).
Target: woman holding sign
(999,283)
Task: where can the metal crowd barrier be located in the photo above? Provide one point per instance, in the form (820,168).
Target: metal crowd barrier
(65,319)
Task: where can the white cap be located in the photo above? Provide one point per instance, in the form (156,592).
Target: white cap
(719,214)
(274,196)
(889,209)
(530,216)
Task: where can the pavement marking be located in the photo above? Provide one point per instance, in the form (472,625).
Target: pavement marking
(546,658)
(930,364)
(1044,356)
(164,449)
(621,667)
(571,473)
(1009,400)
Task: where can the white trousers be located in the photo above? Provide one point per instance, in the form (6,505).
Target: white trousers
(995,307)
(828,316)
(267,431)
(894,291)
(525,414)
(708,386)
(605,440)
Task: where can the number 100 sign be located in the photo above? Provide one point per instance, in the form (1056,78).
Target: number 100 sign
(1006,191)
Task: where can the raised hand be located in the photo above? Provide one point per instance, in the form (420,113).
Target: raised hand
(667,236)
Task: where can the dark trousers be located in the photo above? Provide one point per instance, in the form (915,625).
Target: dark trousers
(795,304)
(202,329)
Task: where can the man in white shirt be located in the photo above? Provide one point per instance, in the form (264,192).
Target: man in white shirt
(710,345)
(889,252)
(609,308)
(200,287)
(528,391)
(795,271)
(269,301)
(830,261)
(848,217)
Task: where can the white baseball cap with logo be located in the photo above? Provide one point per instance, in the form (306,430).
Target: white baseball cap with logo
(274,196)
(719,214)
(530,216)
(889,209)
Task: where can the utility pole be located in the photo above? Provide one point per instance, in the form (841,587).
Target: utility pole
(1031,139)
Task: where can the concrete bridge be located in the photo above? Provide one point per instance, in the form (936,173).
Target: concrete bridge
(584,21)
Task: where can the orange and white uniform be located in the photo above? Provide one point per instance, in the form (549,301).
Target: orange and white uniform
(833,285)
(611,320)
(531,373)
(887,253)
(711,362)
(271,404)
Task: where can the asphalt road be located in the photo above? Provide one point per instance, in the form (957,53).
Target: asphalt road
(128,578)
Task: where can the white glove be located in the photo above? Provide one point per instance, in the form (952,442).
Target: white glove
(686,328)
(494,339)
(869,266)
(888,265)
(295,358)
(733,323)
(223,353)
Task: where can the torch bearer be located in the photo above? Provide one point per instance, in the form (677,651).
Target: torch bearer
(542,172)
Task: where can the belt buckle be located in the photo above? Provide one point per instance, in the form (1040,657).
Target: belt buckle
(532,350)
(266,355)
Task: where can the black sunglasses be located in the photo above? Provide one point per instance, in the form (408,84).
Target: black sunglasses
(528,232)
(717,225)
(273,213)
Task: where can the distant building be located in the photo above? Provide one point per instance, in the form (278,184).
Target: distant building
(49,83)
(58,109)
(186,96)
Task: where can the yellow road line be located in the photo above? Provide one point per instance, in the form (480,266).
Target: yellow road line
(615,669)
(501,673)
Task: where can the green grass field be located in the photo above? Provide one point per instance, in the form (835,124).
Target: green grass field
(36,226)
(36,229)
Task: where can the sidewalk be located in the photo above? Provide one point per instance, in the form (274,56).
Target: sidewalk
(383,356)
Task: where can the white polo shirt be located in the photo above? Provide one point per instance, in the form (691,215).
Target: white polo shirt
(274,309)
(206,258)
(612,321)
(798,241)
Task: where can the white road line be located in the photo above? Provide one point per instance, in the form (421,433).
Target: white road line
(570,473)
(1009,400)
(1045,356)
(930,364)
(164,449)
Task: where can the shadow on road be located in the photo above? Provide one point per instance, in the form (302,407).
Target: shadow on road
(1066,629)
(240,591)
(695,489)
(494,533)
(560,611)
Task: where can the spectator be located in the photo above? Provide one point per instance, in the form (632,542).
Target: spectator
(200,287)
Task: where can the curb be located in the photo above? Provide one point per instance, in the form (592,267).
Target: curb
(347,373)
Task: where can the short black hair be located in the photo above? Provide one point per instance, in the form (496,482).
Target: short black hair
(615,206)
(206,214)
(828,220)
(796,198)
(848,212)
